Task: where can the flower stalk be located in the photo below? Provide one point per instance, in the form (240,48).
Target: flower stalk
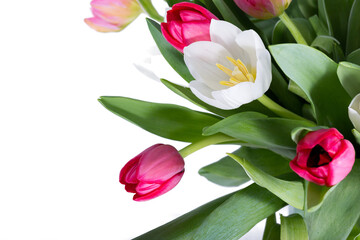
(211,140)
(281,111)
(149,8)
(292,28)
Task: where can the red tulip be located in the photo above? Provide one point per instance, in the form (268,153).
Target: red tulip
(324,157)
(187,23)
(153,172)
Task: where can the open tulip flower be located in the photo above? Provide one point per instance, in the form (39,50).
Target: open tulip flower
(153,172)
(232,69)
(112,15)
(324,157)
(354,112)
(263,9)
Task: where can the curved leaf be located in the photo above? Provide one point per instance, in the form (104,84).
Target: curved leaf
(227,172)
(289,191)
(349,75)
(258,129)
(237,215)
(293,227)
(353,39)
(316,74)
(165,120)
(354,57)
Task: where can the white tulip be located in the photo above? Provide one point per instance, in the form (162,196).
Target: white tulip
(231,70)
(354,112)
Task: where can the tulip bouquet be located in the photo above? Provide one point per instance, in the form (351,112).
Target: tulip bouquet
(278,78)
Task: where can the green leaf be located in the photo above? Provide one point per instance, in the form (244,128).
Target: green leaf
(165,120)
(316,74)
(339,211)
(316,195)
(272,229)
(356,135)
(349,75)
(353,39)
(337,13)
(298,133)
(186,93)
(325,43)
(290,192)
(237,215)
(184,226)
(150,10)
(354,57)
(281,34)
(258,129)
(227,172)
(172,56)
(293,227)
(308,7)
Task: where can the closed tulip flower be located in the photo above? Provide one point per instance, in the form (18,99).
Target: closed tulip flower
(354,112)
(324,157)
(186,23)
(263,9)
(112,15)
(153,172)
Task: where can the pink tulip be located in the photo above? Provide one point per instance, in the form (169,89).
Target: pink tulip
(187,23)
(324,157)
(263,9)
(112,15)
(153,172)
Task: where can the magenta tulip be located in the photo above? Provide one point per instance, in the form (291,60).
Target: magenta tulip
(324,157)
(112,15)
(153,172)
(187,23)
(263,9)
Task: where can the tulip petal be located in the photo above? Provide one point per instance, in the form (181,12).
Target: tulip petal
(305,174)
(316,137)
(195,31)
(101,25)
(160,164)
(354,112)
(204,93)
(342,163)
(201,59)
(225,33)
(144,188)
(164,187)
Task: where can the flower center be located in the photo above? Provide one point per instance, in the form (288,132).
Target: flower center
(238,75)
(318,157)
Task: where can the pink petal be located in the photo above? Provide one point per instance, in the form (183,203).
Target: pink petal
(100,25)
(175,43)
(195,31)
(190,15)
(305,174)
(164,188)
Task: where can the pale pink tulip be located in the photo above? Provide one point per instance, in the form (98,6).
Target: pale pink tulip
(263,9)
(112,15)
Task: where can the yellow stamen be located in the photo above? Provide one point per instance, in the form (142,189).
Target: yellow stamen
(238,75)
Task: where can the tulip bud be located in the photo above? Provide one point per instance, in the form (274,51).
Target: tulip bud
(263,9)
(112,15)
(354,112)
(323,157)
(187,23)
(153,172)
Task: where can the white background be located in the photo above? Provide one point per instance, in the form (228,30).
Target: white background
(61,151)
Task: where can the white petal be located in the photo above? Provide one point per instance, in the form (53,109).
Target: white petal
(224,33)
(201,59)
(263,70)
(203,92)
(249,41)
(354,112)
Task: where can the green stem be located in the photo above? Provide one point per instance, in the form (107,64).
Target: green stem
(279,110)
(149,8)
(306,186)
(213,139)
(292,28)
